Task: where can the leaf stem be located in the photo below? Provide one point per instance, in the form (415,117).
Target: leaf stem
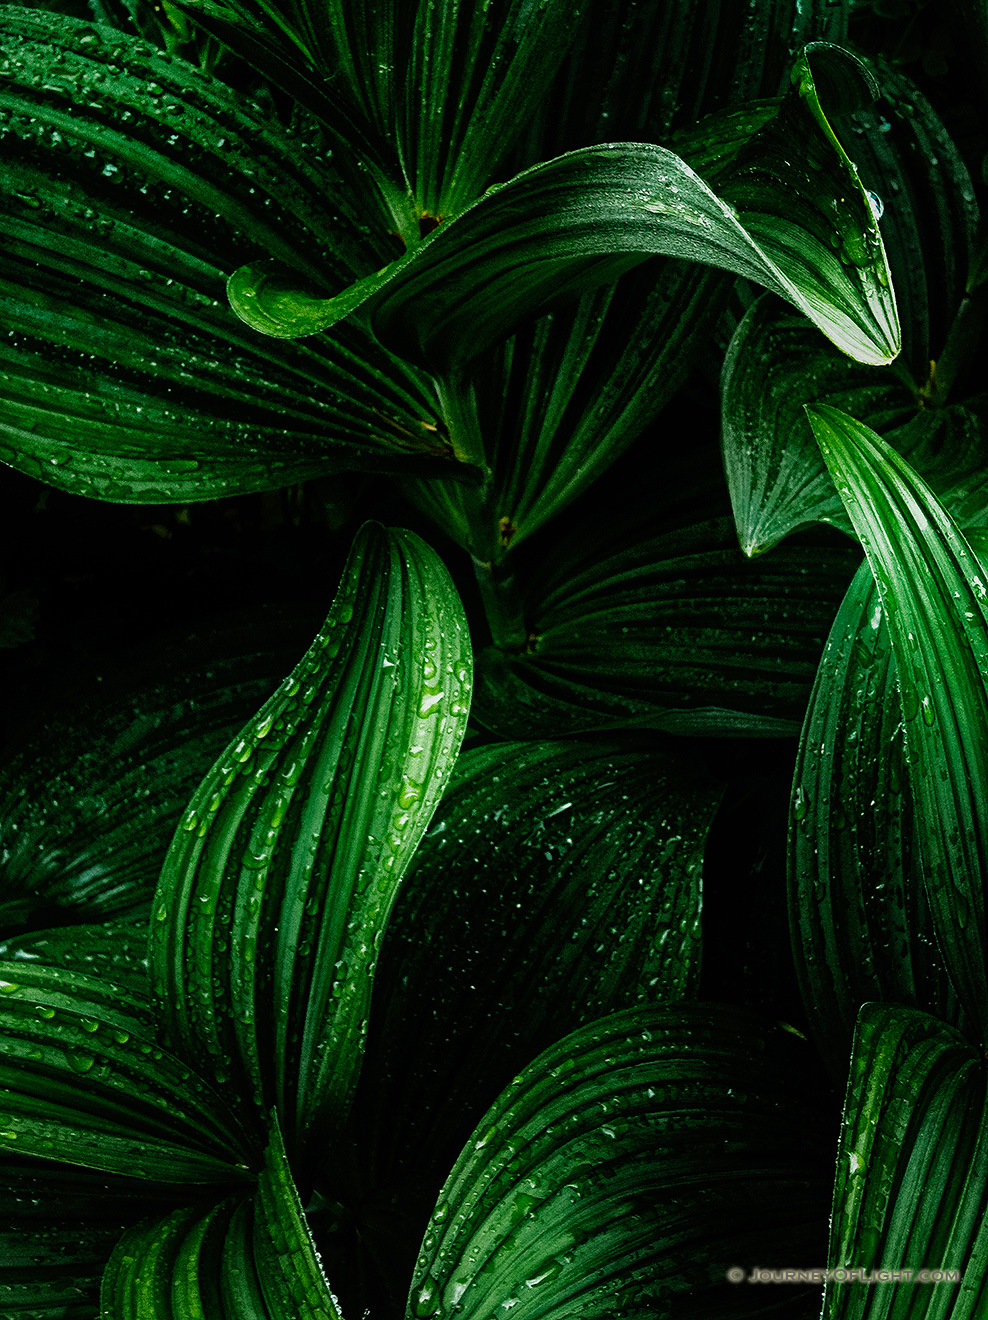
(962,341)
(498,586)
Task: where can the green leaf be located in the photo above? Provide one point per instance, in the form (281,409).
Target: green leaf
(677,632)
(545,232)
(932,590)
(253,1259)
(862,927)
(558,882)
(85,1081)
(52,1271)
(89,800)
(283,871)
(625,1171)
(912,1170)
(131,186)
(776,363)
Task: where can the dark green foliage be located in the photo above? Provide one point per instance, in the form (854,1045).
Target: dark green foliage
(322,1000)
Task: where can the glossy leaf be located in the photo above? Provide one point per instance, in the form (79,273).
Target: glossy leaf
(52,1271)
(558,882)
(132,186)
(283,871)
(567,223)
(90,799)
(253,1260)
(643,1141)
(862,927)
(933,592)
(85,1081)
(912,1170)
(776,363)
(677,632)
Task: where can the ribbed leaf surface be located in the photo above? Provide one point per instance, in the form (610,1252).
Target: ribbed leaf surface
(912,1172)
(282,873)
(933,593)
(247,1260)
(643,1141)
(131,186)
(679,632)
(85,1081)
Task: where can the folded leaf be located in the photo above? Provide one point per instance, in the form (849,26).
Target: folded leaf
(678,632)
(132,185)
(86,1082)
(932,589)
(114,951)
(912,1172)
(559,882)
(862,927)
(253,1259)
(282,874)
(546,231)
(90,799)
(776,363)
(625,1171)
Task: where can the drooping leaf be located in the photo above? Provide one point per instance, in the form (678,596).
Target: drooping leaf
(572,222)
(932,590)
(911,1191)
(85,1081)
(252,1259)
(281,876)
(132,186)
(862,927)
(677,632)
(625,1171)
(776,363)
(90,799)
(559,882)
(52,1271)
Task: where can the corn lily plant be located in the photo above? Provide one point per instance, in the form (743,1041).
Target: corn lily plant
(375,990)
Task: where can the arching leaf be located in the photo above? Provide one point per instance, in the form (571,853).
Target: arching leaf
(280,878)
(625,1171)
(932,589)
(569,223)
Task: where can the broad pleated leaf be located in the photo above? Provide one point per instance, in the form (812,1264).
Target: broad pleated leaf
(132,186)
(52,1270)
(559,882)
(239,1260)
(932,590)
(861,923)
(90,799)
(570,220)
(625,1170)
(678,632)
(912,1172)
(283,871)
(776,363)
(559,401)
(85,1081)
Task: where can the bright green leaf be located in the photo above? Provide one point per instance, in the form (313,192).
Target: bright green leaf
(283,871)
(932,589)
